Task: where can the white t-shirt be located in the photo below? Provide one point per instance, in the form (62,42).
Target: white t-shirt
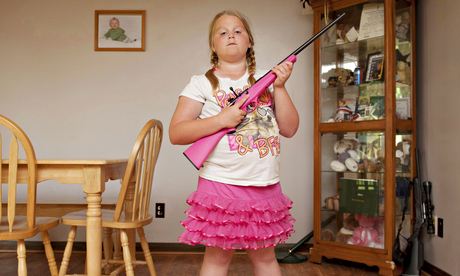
(249,156)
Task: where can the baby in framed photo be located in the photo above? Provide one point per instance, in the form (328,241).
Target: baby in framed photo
(116,33)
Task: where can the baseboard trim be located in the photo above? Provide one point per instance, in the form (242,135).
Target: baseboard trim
(10,246)
(433,270)
(162,247)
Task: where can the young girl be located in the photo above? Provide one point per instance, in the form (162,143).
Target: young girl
(238,203)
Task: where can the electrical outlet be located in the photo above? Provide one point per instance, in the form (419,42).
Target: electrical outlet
(159,210)
(440,227)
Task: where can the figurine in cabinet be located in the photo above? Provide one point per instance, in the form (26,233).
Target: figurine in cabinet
(340,76)
(402,26)
(403,72)
(346,231)
(369,232)
(348,156)
(343,112)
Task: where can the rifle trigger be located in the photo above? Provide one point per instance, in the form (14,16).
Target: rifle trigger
(233,91)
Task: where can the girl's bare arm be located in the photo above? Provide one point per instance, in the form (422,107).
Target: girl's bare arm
(185,127)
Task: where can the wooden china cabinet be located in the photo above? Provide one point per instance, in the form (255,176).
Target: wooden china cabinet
(365,129)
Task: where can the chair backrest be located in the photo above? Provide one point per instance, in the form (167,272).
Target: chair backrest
(18,139)
(139,173)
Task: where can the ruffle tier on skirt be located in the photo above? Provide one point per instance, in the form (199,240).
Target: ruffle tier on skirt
(237,217)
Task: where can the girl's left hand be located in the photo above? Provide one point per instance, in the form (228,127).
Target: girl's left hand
(283,72)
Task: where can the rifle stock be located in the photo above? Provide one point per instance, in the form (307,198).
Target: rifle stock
(199,151)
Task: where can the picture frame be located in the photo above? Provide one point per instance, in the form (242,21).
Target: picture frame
(377,104)
(403,108)
(119,30)
(372,21)
(374,69)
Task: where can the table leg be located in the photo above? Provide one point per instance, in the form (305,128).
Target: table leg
(94,186)
(93,234)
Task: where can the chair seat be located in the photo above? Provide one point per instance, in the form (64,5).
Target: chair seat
(22,231)
(79,219)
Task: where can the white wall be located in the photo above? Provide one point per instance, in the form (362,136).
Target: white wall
(438,126)
(76,103)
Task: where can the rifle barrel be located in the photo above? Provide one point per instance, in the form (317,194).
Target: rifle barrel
(308,42)
(305,45)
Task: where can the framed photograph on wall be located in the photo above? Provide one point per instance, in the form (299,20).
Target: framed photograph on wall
(119,30)
(374,70)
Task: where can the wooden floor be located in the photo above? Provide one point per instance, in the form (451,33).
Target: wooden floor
(186,264)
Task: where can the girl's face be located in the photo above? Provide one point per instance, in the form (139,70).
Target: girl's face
(230,39)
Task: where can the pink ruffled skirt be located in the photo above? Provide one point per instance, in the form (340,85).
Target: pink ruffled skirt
(237,217)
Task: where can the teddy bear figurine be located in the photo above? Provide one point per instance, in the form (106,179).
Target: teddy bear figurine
(346,231)
(402,28)
(345,76)
(340,76)
(368,233)
(332,203)
(327,235)
(343,112)
(402,72)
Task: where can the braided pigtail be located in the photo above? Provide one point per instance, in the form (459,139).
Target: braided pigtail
(210,73)
(251,61)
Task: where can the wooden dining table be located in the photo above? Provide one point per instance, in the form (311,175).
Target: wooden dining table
(92,176)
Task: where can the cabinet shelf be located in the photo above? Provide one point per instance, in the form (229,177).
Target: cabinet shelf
(370,125)
(337,88)
(404,125)
(356,126)
(370,175)
(352,46)
(352,51)
(358,174)
(329,210)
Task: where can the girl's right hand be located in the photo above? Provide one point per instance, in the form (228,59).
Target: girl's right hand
(231,116)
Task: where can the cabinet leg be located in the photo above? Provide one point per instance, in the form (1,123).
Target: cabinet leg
(387,271)
(315,257)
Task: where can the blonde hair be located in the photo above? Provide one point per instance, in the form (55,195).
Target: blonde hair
(250,55)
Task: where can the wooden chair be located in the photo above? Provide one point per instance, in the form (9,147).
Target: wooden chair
(132,208)
(12,226)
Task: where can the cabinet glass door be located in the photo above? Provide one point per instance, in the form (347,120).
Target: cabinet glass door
(404,59)
(404,176)
(352,61)
(352,188)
